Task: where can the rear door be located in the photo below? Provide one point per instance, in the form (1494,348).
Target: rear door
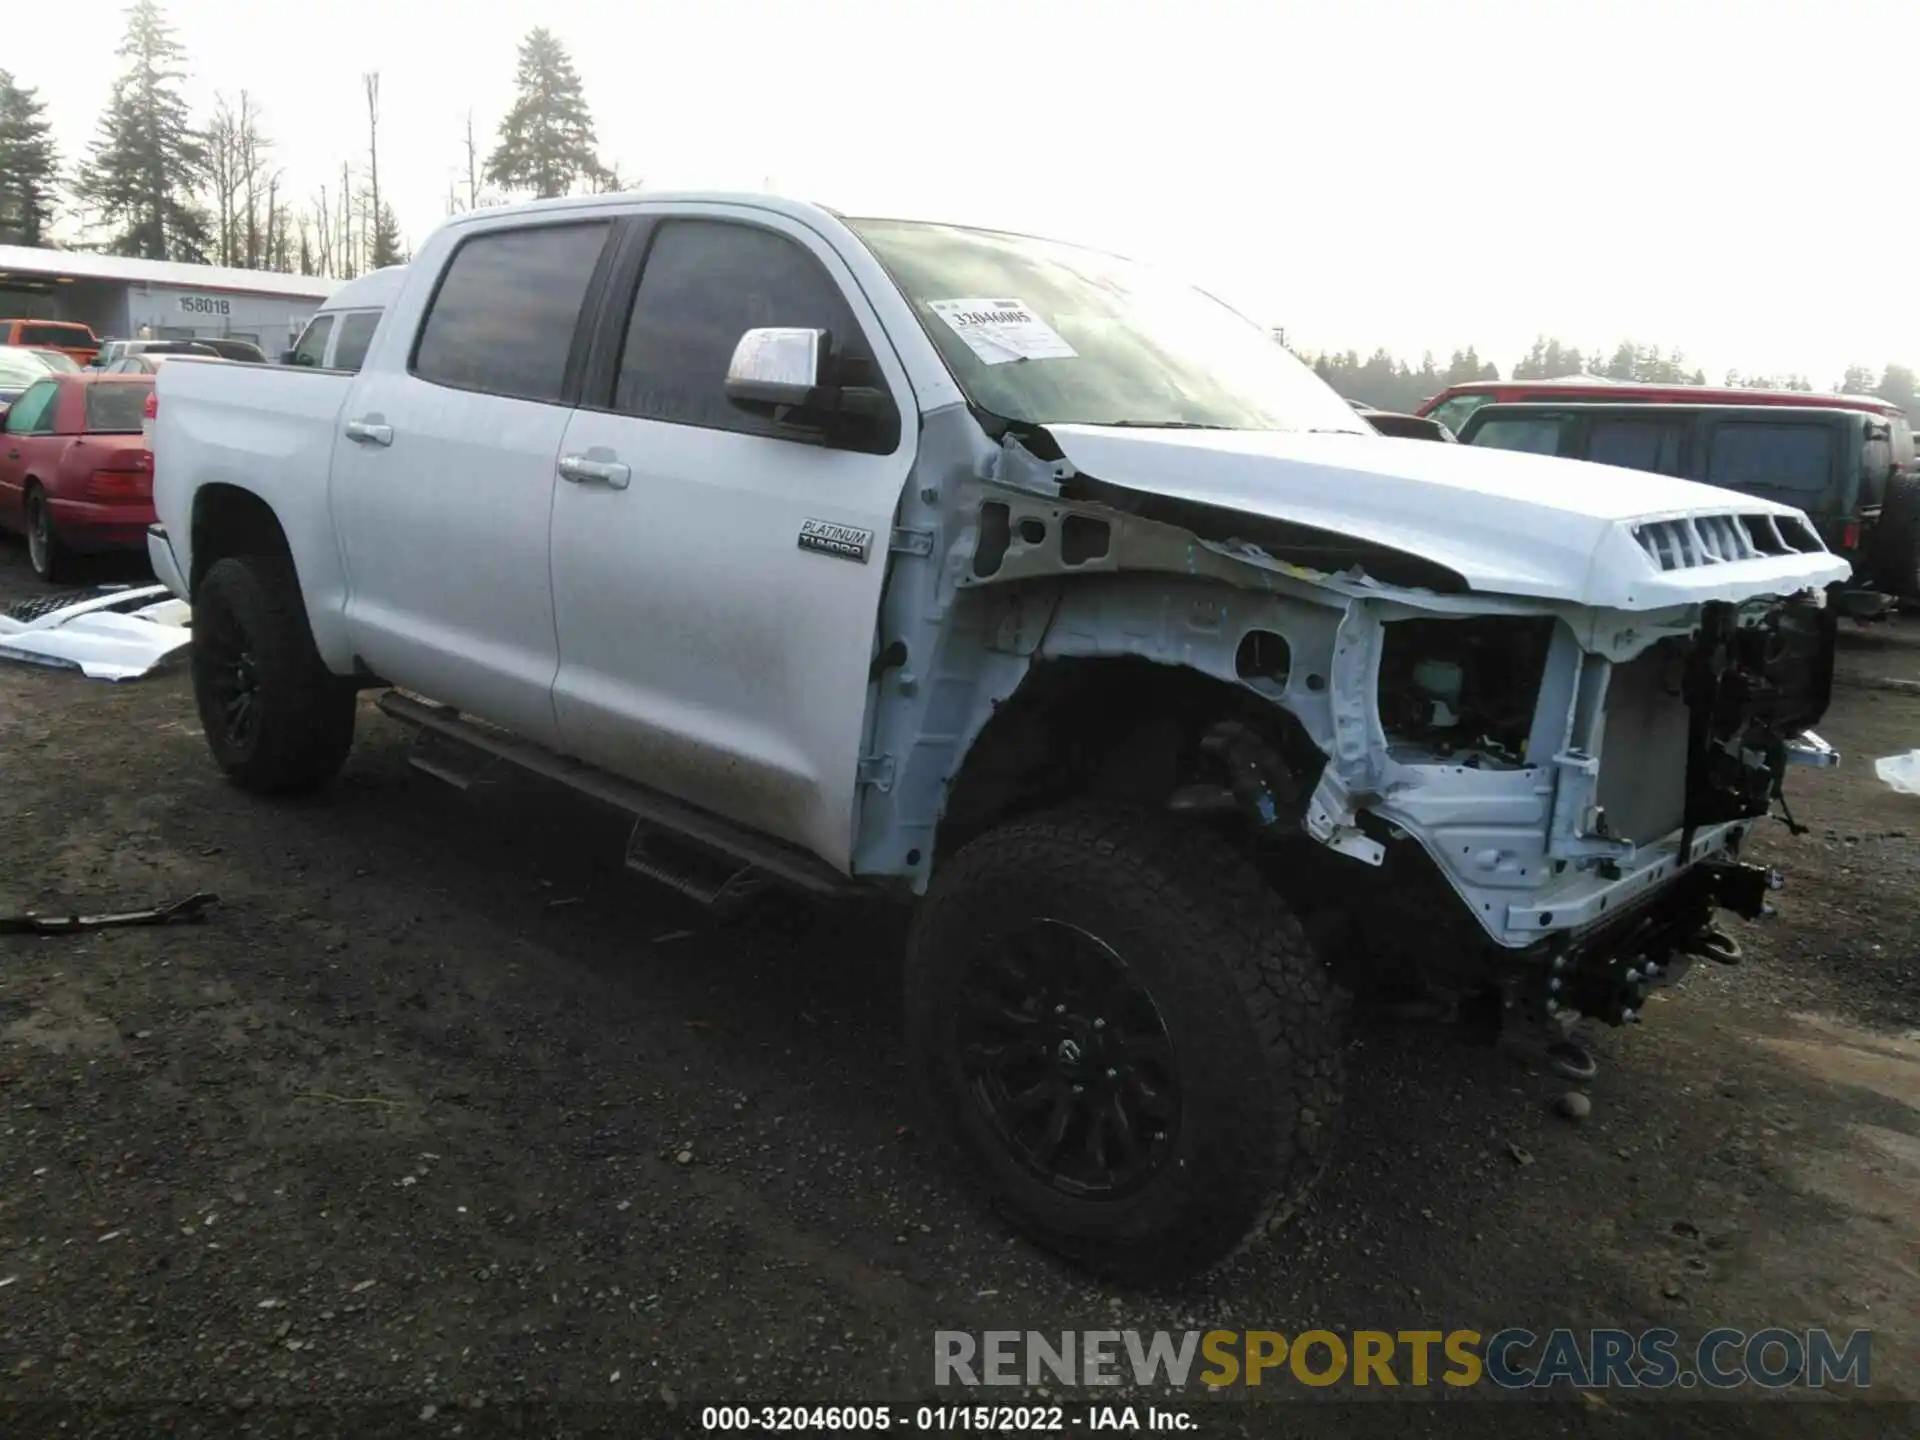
(442,477)
(443,473)
(705,649)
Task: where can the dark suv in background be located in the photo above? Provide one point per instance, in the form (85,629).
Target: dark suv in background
(1838,466)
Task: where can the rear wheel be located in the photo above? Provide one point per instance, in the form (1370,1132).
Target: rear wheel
(1896,539)
(276,719)
(1126,1036)
(44,550)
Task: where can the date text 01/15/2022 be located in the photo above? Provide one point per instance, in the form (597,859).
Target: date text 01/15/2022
(937,1419)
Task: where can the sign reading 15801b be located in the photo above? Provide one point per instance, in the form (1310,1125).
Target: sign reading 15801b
(205,305)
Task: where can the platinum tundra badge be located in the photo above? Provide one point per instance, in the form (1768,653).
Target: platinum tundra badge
(846,541)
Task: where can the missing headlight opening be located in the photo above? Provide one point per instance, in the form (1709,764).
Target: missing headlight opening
(1463,689)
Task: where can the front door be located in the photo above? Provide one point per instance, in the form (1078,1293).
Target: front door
(443,475)
(705,649)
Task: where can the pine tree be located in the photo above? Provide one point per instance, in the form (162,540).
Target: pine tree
(148,161)
(28,165)
(384,246)
(547,143)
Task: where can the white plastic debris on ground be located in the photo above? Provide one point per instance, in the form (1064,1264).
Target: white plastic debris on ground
(1902,772)
(115,635)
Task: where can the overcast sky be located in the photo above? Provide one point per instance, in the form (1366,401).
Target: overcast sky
(1733,178)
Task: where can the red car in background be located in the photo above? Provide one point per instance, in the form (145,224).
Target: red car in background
(75,473)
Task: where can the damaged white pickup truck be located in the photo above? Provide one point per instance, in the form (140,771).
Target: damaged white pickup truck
(1002,574)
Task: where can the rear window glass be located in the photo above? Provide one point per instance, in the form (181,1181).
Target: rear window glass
(116,407)
(503,318)
(1636,445)
(58,335)
(1535,437)
(1771,457)
(356,333)
(312,347)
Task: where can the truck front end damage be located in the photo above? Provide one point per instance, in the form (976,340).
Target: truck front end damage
(1583,783)
(1472,763)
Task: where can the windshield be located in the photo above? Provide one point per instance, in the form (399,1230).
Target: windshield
(1051,334)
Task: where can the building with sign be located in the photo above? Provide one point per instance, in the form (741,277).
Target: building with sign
(157,299)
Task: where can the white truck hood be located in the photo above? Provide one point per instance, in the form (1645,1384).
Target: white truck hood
(1506,523)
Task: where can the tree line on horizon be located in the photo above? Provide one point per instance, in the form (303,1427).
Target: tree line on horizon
(156,184)
(1387,382)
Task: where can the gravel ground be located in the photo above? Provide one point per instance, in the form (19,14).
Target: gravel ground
(444,1123)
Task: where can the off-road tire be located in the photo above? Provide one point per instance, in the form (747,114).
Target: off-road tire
(249,608)
(1256,1026)
(1896,539)
(50,559)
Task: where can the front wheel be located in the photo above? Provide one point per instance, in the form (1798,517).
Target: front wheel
(277,720)
(1126,1036)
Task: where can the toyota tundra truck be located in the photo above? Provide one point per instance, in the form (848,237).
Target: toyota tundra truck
(1018,582)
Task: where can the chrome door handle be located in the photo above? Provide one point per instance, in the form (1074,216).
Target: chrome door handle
(614,474)
(370,432)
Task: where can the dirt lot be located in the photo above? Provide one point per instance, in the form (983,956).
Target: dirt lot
(443,1115)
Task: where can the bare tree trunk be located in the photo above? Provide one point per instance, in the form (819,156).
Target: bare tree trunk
(347,253)
(250,175)
(372,226)
(221,146)
(473,167)
(323,236)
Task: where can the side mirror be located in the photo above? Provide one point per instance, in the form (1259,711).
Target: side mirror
(778,366)
(791,375)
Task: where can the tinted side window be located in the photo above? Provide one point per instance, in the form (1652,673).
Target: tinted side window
(311,348)
(1636,444)
(32,413)
(1771,457)
(706,283)
(55,336)
(504,316)
(356,333)
(1534,437)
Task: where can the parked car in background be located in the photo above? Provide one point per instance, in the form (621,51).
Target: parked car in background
(75,474)
(1836,465)
(1125,646)
(58,361)
(147,361)
(227,348)
(75,339)
(19,368)
(1454,404)
(340,331)
(1406,427)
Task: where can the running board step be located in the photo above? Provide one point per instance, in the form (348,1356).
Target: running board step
(732,859)
(713,880)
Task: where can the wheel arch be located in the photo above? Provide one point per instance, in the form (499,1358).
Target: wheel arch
(230,518)
(1125,729)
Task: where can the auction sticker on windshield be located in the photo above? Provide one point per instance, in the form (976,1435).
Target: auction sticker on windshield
(1002,330)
